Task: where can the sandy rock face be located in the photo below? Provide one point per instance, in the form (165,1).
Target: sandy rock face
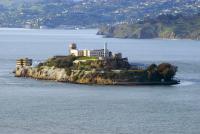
(45,73)
(21,71)
(60,74)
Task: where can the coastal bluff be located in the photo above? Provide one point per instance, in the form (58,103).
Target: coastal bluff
(164,26)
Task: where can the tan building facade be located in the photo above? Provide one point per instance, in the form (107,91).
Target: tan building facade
(89,53)
(24,62)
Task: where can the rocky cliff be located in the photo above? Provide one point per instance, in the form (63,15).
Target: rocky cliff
(131,77)
(61,75)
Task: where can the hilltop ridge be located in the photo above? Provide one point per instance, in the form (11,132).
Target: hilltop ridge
(87,13)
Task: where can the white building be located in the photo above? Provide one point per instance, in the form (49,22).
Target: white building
(105,53)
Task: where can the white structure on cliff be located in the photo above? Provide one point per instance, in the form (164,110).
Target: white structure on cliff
(105,53)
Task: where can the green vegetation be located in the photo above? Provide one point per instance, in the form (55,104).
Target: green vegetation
(85,63)
(165,26)
(86,58)
(60,62)
(163,71)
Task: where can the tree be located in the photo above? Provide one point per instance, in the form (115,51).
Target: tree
(167,71)
(153,74)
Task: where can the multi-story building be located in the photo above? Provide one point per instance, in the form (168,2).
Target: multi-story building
(24,62)
(104,53)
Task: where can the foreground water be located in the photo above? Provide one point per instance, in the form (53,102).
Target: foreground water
(29,106)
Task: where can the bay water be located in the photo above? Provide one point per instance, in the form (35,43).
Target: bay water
(30,106)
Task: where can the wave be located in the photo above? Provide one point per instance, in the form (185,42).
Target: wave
(11,83)
(186,83)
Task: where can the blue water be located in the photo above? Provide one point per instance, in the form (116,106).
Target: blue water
(29,106)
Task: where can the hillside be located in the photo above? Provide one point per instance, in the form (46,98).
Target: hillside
(87,13)
(164,26)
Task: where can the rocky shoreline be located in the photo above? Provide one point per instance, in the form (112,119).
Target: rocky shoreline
(79,77)
(60,75)
(128,32)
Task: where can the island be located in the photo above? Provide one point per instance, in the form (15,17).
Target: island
(164,26)
(99,66)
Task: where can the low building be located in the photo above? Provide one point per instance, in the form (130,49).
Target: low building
(24,62)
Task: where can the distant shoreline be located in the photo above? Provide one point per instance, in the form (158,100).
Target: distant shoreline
(51,29)
(164,26)
(16,28)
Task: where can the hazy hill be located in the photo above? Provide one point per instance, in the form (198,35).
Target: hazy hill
(87,13)
(164,26)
